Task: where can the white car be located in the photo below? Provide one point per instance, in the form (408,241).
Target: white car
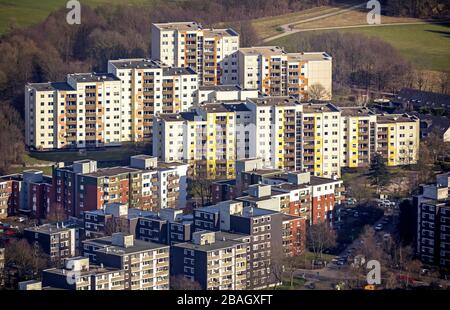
(379,227)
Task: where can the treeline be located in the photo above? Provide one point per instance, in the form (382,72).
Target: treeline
(360,61)
(418,8)
(11,137)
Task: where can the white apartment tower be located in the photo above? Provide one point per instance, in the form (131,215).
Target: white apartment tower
(276,73)
(212,53)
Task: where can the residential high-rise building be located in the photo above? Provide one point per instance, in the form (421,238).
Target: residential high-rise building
(146,264)
(205,139)
(149,88)
(397,138)
(212,53)
(82,112)
(105,109)
(276,73)
(433,222)
(216,260)
(273,131)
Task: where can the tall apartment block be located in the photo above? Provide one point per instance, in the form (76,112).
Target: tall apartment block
(145,184)
(216,260)
(146,264)
(82,112)
(212,53)
(265,228)
(205,139)
(433,222)
(79,274)
(105,109)
(397,138)
(56,241)
(149,88)
(276,73)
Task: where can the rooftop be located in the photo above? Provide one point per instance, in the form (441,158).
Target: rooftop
(319,107)
(222,241)
(138,246)
(356,111)
(178,71)
(47,229)
(262,50)
(93,77)
(275,101)
(229,87)
(50,86)
(108,172)
(136,63)
(308,56)
(183,26)
(395,118)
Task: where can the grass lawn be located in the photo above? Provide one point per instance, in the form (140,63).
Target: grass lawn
(22,13)
(111,154)
(267,26)
(297,283)
(426,46)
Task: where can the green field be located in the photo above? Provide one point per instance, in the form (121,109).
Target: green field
(22,13)
(426,46)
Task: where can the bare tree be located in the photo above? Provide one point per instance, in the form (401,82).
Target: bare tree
(180,282)
(317,92)
(200,188)
(56,213)
(117,224)
(25,259)
(320,237)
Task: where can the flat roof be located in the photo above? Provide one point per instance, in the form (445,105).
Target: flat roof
(227,87)
(93,77)
(107,172)
(138,246)
(314,56)
(275,101)
(395,118)
(322,181)
(47,229)
(262,50)
(319,107)
(51,86)
(178,71)
(183,26)
(136,63)
(356,111)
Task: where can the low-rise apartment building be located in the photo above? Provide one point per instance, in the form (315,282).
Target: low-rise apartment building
(146,264)
(55,240)
(216,260)
(78,274)
(276,73)
(212,53)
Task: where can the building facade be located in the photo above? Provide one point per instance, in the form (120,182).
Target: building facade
(276,73)
(212,53)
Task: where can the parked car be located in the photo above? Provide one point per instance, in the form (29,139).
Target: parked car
(379,227)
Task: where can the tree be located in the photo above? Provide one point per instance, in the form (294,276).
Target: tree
(56,213)
(317,92)
(180,282)
(25,259)
(200,188)
(291,264)
(116,225)
(378,171)
(320,237)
